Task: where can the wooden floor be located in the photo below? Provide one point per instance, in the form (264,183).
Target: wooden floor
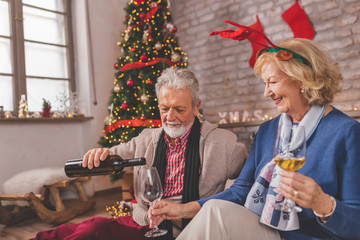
(28,229)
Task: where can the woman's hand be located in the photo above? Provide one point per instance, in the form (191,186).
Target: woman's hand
(94,156)
(305,192)
(171,211)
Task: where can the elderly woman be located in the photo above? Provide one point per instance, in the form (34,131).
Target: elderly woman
(301,80)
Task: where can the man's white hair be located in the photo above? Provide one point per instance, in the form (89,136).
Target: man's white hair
(179,78)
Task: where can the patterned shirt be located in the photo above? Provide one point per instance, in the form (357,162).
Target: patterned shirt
(174,173)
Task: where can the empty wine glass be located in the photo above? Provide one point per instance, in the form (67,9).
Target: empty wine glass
(289,154)
(150,191)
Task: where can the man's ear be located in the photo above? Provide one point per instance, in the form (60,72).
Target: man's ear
(197,107)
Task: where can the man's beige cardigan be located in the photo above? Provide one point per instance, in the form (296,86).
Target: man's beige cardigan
(221,158)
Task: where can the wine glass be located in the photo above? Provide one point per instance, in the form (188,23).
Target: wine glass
(289,154)
(150,191)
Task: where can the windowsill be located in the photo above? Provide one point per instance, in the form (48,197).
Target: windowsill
(46,120)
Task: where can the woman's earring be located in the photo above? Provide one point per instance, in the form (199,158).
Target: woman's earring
(302,91)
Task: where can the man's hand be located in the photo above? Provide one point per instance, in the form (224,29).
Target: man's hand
(94,156)
(171,211)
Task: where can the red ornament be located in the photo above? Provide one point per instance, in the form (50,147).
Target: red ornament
(142,118)
(142,15)
(149,81)
(124,106)
(116,66)
(133,49)
(175,29)
(143,58)
(130,83)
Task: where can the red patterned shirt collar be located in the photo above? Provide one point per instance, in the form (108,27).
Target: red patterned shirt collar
(180,141)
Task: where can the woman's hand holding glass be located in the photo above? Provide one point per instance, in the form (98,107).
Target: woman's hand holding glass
(290,155)
(296,187)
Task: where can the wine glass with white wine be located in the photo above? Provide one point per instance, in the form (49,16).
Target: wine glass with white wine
(290,155)
(150,191)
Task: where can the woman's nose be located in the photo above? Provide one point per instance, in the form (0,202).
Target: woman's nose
(267,92)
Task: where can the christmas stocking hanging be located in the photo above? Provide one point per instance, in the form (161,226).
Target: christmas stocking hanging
(298,21)
(258,38)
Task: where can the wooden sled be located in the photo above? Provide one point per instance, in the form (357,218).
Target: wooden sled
(40,204)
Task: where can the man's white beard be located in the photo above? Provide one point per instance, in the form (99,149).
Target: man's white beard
(176,132)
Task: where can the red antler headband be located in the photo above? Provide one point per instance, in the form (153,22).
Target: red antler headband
(245,32)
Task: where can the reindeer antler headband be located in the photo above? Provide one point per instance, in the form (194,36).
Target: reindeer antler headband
(245,32)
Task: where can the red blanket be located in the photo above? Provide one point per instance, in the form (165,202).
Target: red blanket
(97,228)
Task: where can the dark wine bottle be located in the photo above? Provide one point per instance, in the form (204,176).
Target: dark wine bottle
(113,164)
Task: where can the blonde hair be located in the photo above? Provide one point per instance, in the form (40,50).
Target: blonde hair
(320,81)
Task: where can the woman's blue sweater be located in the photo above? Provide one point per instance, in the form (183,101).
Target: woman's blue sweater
(332,160)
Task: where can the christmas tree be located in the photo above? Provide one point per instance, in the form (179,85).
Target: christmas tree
(148,47)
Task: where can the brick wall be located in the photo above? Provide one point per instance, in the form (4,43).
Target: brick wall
(227,82)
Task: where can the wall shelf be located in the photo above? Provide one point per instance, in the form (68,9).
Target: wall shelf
(45,120)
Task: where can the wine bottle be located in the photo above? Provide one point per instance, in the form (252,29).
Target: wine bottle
(113,164)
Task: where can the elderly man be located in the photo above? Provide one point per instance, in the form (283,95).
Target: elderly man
(194,159)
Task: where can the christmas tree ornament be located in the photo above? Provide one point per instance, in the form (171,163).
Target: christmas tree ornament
(296,18)
(144,98)
(133,49)
(158,46)
(142,118)
(124,106)
(116,66)
(117,88)
(149,81)
(169,27)
(145,36)
(126,37)
(130,83)
(127,57)
(142,15)
(23,108)
(153,5)
(109,119)
(175,57)
(143,58)
(175,29)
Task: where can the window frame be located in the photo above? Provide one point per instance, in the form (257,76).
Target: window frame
(17,45)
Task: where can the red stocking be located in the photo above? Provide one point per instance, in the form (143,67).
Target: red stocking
(257,37)
(299,22)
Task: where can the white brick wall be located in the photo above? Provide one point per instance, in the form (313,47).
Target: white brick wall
(227,82)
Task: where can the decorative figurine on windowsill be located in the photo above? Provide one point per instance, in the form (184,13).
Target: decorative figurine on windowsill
(46,108)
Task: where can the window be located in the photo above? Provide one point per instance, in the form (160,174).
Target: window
(35,36)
